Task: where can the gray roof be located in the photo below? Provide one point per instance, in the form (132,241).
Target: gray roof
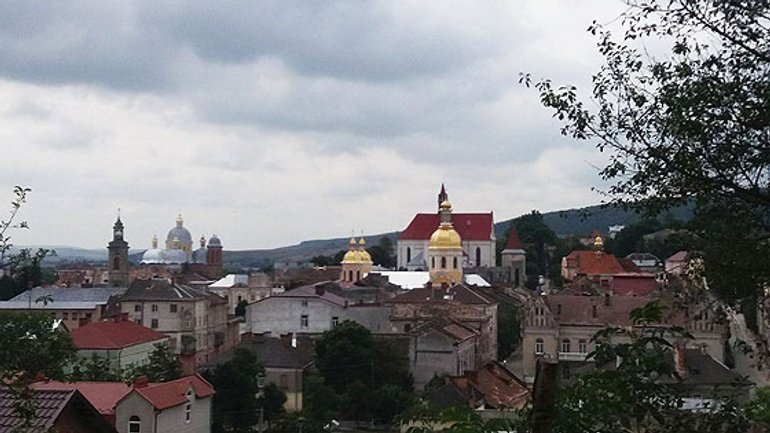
(60,305)
(271,353)
(59,294)
(702,369)
(163,290)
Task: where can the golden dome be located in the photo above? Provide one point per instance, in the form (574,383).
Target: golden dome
(445,205)
(365,257)
(352,256)
(445,237)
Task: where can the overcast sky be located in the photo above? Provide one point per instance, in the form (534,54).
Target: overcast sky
(273,122)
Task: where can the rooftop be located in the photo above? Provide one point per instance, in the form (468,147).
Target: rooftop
(102,395)
(117,334)
(470,226)
(173,393)
(164,290)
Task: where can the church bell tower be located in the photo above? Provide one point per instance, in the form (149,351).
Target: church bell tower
(118,257)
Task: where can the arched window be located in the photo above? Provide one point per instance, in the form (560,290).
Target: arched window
(358,275)
(539,346)
(134,424)
(454,262)
(408,254)
(350,275)
(116,264)
(432,262)
(478,256)
(443,263)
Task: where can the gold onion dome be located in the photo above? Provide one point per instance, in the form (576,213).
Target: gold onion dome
(365,256)
(353,255)
(445,237)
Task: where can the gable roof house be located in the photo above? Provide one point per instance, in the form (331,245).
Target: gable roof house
(60,411)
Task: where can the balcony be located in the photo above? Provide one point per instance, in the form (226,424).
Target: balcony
(573,356)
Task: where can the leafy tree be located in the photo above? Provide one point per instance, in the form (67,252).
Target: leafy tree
(508,330)
(631,238)
(383,253)
(272,401)
(236,401)
(23,271)
(96,368)
(162,366)
(29,345)
(758,409)
(690,126)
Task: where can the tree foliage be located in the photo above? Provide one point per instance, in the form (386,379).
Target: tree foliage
(360,377)
(23,271)
(690,125)
(236,400)
(162,366)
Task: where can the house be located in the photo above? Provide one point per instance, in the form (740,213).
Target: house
(237,288)
(677,263)
(58,411)
(561,326)
(196,321)
(492,387)
(705,379)
(441,346)
(285,366)
(457,302)
(477,231)
(118,340)
(73,306)
(183,405)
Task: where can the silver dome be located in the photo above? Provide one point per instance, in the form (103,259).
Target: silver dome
(199,256)
(179,232)
(153,255)
(214,241)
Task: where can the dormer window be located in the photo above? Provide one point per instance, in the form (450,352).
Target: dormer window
(134,424)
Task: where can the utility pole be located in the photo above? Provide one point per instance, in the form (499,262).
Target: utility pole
(260,396)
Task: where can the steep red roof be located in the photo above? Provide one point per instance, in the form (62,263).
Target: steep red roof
(102,395)
(113,335)
(591,263)
(514,243)
(174,393)
(470,226)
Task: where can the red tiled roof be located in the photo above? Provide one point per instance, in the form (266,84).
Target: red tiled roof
(680,256)
(470,226)
(591,263)
(174,393)
(514,243)
(500,388)
(102,395)
(113,335)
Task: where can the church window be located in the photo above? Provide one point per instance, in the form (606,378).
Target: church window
(539,346)
(454,262)
(134,424)
(116,264)
(478,256)
(565,345)
(408,254)
(443,263)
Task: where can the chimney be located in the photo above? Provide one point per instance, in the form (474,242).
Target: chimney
(319,290)
(141,382)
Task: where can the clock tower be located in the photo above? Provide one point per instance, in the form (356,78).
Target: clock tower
(118,257)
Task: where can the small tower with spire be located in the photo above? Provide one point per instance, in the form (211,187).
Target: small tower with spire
(514,258)
(445,253)
(117,256)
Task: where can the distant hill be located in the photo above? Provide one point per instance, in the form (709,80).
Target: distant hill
(580,221)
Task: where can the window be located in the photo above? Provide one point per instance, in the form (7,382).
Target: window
(75,315)
(335,321)
(582,346)
(443,263)
(154,308)
(65,315)
(137,308)
(240,298)
(358,275)
(407,327)
(539,346)
(134,424)
(516,277)
(565,345)
(408,254)
(89,315)
(116,264)
(303,321)
(154,324)
(172,308)
(432,262)
(478,256)
(454,262)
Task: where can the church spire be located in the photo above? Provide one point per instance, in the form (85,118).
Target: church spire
(442,196)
